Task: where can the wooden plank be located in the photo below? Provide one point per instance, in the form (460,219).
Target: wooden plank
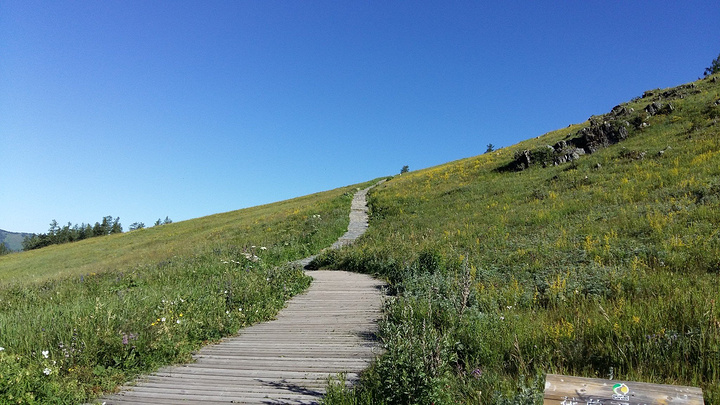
(568,390)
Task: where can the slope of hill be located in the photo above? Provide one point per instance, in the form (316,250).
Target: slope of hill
(80,318)
(533,259)
(508,266)
(283,227)
(13,240)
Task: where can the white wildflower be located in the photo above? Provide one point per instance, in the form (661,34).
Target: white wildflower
(1,348)
(163,319)
(47,371)
(45,353)
(177,322)
(263,248)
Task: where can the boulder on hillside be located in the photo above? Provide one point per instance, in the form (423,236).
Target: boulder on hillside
(599,136)
(621,111)
(653,108)
(659,108)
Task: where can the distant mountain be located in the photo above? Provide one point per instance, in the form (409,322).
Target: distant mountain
(13,240)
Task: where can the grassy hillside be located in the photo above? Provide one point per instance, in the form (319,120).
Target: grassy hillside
(12,240)
(80,318)
(283,227)
(606,266)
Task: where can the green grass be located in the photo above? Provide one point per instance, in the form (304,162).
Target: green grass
(286,228)
(78,319)
(606,266)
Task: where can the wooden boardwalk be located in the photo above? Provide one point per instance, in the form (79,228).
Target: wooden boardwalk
(326,331)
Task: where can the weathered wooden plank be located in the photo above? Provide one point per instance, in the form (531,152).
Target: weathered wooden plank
(199,397)
(568,390)
(212,380)
(242,374)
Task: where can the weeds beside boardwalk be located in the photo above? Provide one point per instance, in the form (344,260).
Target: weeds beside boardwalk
(94,314)
(605,267)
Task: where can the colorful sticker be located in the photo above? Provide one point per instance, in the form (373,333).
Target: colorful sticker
(620,389)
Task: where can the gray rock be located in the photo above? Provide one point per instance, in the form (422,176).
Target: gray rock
(653,108)
(620,111)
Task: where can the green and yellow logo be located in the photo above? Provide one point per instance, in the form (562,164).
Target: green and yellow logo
(620,389)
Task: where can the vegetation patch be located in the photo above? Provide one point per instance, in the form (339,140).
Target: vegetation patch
(68,334)
(606,266)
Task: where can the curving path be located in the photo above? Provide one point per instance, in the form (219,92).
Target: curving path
(326,331)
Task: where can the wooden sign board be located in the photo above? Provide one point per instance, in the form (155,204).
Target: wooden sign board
(567,390)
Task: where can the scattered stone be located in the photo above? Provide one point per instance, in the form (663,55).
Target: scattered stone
(662,152)
(523,160)
(653,108)
(631,154)
(620,111)
(659,108)
(673,93)
(568,155)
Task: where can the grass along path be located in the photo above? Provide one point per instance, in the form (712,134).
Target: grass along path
(75,324)
(323,333)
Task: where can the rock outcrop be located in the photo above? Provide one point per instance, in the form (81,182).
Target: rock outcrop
(603,131)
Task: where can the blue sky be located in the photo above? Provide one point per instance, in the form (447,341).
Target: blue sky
(148,109)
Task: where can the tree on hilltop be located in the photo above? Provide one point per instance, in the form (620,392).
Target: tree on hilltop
(161,222)
(71,233)
(714,67)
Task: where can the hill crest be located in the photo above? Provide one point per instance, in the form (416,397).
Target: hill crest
(13,240)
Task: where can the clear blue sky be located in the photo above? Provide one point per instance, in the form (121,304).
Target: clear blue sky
(147,109)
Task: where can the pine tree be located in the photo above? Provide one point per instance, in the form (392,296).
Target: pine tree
(714,67)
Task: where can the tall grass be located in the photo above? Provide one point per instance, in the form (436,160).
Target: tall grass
(608,266)
(95,314)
